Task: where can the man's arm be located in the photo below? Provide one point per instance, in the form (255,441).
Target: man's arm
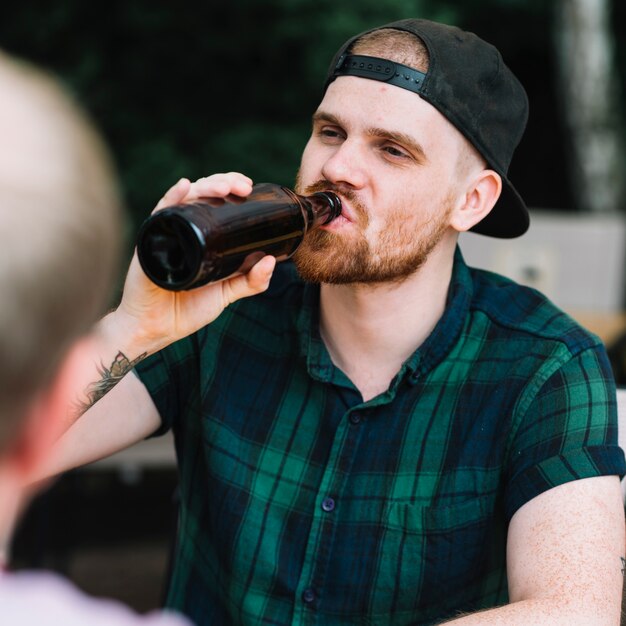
(564,558)
(112,410)
(123,417)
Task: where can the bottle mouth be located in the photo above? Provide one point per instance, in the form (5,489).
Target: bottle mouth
(334,203)
(168,252)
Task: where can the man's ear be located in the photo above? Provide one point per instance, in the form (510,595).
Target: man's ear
(480,197)
(50,412)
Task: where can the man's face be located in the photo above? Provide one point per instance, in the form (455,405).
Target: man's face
(392,158)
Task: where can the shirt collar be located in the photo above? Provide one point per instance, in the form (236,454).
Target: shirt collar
(312,346)
(448,329)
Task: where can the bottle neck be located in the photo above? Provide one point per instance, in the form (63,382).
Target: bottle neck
(321,208)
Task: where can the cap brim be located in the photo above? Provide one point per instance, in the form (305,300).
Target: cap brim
(509,217)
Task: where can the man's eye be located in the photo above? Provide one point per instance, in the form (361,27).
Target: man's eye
(395,152)
(329,133)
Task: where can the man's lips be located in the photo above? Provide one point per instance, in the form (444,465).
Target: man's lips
(340,221)
(347,212)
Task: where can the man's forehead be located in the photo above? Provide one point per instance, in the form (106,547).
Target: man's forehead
(366,102)
(359,93)
(366,105)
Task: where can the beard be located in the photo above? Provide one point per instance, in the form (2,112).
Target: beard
(399,250)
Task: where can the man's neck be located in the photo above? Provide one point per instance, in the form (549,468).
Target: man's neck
(370,330)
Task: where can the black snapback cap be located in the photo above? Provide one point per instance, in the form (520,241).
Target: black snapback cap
(468,82)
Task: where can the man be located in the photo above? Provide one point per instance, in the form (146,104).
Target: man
(400,439)
(59,239)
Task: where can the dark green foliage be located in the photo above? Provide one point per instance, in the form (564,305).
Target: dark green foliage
(187,89)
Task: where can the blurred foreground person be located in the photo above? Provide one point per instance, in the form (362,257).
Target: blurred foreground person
(59,242)
(385,435)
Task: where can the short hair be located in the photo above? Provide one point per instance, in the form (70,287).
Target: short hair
(60,213)
(396,45)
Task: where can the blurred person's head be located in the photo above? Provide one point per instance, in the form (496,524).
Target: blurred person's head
(59,240)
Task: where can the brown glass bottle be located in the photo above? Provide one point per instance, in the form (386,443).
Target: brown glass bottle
(189,245)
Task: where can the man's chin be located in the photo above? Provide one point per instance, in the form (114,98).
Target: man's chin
(326,257)
(335,261)
(317,263)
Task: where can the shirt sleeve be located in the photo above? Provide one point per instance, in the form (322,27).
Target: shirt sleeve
(568,432)
(171,377)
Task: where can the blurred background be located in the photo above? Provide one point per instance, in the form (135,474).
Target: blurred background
(192,88)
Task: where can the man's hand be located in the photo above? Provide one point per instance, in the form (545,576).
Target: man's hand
(155,317)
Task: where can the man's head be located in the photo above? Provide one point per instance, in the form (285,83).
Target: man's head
(457,137)
(467,81)
(59,236)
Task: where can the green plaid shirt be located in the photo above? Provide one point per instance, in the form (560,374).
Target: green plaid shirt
(302,504)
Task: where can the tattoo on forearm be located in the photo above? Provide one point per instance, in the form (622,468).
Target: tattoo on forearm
(109,377)
(623,565)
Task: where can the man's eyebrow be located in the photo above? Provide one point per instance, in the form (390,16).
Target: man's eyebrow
(403,139)
(323,116)
(396,136)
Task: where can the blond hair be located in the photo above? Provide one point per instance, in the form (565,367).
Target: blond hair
(59,232)
(396,45)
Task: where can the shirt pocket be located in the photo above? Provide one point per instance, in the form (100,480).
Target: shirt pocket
(439,553)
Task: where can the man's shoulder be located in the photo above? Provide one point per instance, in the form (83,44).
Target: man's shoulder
(520,310)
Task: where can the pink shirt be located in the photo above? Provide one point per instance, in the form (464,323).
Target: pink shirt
(38,598)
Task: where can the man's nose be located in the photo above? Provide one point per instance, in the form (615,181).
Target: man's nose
(346,165)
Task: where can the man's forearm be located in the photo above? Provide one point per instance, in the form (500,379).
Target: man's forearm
(117,348)
(109,377)
(120,419)
(96,425)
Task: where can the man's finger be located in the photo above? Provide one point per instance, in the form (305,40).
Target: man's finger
(255,281)
(175,194)
(221,185)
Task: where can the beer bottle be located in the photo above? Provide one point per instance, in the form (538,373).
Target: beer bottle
(185,246)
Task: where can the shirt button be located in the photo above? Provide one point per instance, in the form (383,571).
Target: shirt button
(308,595)
(328,504)
(354,418)
(413,379)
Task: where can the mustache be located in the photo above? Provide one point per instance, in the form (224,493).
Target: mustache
(360,211)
